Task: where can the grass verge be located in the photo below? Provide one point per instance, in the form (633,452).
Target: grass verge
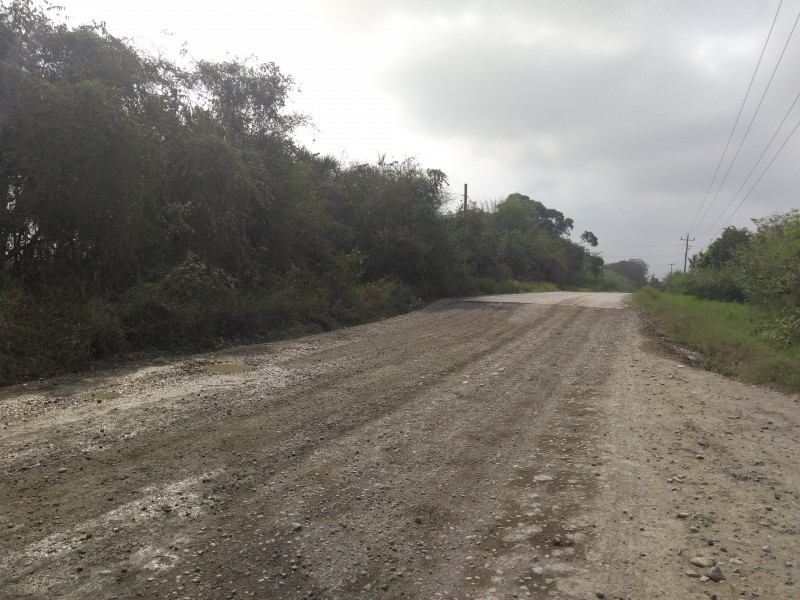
(726,334)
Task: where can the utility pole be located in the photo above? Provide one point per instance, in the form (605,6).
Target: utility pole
(465,231)
(670,267)
(686,253)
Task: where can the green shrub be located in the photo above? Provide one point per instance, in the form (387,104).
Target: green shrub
(192,305)
(615,282)
(707,284)
(783,330)
(60,331)
(481,286)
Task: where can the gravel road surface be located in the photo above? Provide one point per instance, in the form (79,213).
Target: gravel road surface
(488,448)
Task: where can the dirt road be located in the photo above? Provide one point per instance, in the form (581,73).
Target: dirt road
(468,450)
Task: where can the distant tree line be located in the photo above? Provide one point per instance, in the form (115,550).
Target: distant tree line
(149,205)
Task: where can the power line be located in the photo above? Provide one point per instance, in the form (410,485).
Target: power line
(759,177)
(755,114)
(746,179)
(741,108)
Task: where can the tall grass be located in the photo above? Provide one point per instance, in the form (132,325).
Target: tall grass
(487,285)
(727,334)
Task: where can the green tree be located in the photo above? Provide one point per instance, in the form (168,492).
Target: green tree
(246,99)
(77,167)
(770,264)
(550,219)
(723,251)
(634,269)
(587,237)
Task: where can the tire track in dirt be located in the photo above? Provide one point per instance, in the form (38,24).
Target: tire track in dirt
(205,463)
(464,451)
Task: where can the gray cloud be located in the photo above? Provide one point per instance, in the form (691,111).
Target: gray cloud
(635,128)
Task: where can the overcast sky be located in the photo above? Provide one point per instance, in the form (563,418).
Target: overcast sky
(615,113)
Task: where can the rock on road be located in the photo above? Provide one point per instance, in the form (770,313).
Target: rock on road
(530,446)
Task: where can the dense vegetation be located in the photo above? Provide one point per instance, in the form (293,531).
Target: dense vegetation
(627,275)
(760,268)
(740,303)
(147,204)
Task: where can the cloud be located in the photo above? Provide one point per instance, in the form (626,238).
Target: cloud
(628,102)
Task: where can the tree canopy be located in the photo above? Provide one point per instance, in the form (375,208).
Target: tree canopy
(723,251)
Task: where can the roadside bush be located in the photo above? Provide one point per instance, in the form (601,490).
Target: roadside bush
(368,301)
(486,286)
(614,282)
(58,332)
(707,284)
(194,304)
(770,268)
(783,330)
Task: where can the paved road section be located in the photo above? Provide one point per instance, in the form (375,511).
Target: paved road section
(587,299)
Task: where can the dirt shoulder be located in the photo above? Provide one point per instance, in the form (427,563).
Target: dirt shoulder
(469,450)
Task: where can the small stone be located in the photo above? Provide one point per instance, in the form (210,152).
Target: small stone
(62,470)
(693,574)
(703,562)
(542,478)
(600,595)
(716,574)
(683,515)
(704,578)
(297,526)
